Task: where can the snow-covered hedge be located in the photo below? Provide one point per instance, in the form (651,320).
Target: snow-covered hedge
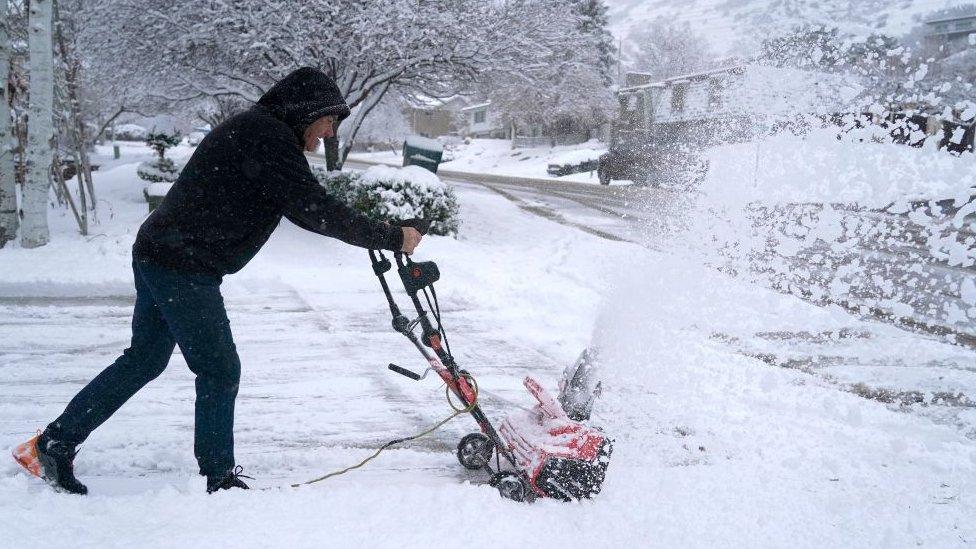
(395,194)
(130,132)
(159,171)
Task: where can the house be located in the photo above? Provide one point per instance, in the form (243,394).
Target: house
(949,35)
(433,117)
(658,118)
(739,92)
(481,121)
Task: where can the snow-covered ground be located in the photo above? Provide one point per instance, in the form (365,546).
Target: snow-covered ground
(497,157)
(715,445)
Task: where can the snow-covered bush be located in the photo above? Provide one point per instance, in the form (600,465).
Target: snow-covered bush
(159,171)
(129,132)
(162,169)
(395,194)
(161,141)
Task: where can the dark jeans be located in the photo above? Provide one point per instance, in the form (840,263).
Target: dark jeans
(172,308)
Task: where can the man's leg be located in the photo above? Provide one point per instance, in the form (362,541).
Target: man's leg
(194,311)
(146,358)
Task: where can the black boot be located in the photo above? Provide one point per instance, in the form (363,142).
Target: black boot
(57,464)
(230,479)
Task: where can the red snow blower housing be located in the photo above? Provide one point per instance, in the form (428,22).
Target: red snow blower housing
(542,452)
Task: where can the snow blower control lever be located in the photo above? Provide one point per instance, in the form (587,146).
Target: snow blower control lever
(546,454)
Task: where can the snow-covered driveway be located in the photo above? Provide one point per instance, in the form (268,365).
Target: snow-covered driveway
(715,447)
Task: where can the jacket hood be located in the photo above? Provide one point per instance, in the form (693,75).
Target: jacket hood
(303,97)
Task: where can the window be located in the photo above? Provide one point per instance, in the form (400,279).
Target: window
(480,116)
(715,89)
(632,110)
(648,97)
(678,93)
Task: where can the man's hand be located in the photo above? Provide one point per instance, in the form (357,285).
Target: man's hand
(411,238)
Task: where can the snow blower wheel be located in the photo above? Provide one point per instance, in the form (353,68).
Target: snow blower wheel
(475,450)
(509,486)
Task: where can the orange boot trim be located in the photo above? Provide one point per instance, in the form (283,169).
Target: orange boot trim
(26,456)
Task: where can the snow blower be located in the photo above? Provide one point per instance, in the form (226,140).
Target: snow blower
(542,452)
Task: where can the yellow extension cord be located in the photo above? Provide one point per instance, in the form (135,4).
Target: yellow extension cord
(457,411)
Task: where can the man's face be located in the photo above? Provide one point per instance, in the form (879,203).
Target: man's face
(323,128)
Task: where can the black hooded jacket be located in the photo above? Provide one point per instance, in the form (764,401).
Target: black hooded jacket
(244,176)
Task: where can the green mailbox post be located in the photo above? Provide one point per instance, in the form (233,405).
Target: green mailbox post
(423,152)
(155,193)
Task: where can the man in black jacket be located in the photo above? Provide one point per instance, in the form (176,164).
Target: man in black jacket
(243,177)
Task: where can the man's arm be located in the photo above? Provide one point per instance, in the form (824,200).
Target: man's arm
(289,183)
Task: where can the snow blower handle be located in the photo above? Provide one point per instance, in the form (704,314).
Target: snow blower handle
(421,225)
(406,373)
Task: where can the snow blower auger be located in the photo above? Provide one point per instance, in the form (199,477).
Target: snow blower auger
(541,452)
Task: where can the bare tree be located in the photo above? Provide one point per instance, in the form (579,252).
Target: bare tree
(40,132)
(177,56)
(65,29)
(666,48)
(8,187)
(221,108)
(567,90)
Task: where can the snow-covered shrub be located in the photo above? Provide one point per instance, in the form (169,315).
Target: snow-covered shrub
(162,169)
(395,194)
(129,132)
(159,171)
(160,141)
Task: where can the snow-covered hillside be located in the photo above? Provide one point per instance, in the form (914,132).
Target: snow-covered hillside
(734,26)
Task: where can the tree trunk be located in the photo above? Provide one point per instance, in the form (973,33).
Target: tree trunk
(40,131)
(331,153)
(8,186)
(62,189)
(81,193)
(72,75)
(357,121)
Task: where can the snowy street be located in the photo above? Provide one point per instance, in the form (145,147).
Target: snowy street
(736,409)
(653,274)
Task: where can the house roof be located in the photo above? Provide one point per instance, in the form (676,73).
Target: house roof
(682,79)
(477,106)
(425,102)
(950,19)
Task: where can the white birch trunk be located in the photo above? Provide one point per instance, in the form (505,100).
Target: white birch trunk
(40,127)
(8,187)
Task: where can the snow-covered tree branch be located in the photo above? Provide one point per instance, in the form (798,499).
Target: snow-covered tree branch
(239,48)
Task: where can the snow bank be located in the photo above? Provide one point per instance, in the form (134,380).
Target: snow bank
(887,229)
(819,168)
(719,436)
